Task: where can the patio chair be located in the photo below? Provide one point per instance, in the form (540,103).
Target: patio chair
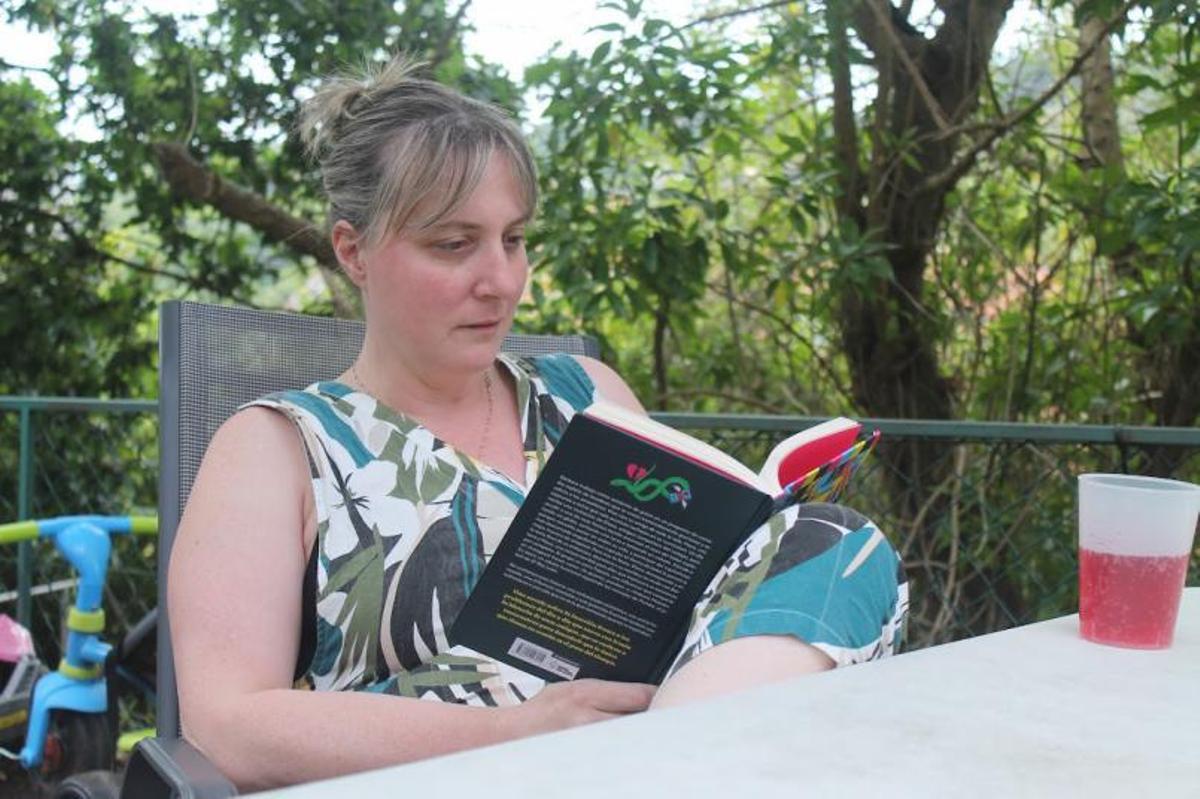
(212,359)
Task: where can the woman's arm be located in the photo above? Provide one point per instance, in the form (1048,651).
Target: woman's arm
(235,582)
(609,384)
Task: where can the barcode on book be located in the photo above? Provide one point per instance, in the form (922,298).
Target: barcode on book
(543,658)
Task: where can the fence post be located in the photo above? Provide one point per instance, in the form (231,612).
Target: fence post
(24,497)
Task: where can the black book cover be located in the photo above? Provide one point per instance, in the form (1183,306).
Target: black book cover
(600,569)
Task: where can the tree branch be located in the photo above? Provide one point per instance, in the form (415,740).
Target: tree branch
(83,244)
(845,129)
(884,21)
(195,99)
(442,50)
(951,174)
(6,64)
(865,26)
(753,402)
(195,182)
(736,13)
(786,325)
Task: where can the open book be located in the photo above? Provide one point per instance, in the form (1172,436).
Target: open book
(627,524)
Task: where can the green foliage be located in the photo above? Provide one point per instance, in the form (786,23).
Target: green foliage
(68,320)
(690,179)
(676,191)
(1162,215)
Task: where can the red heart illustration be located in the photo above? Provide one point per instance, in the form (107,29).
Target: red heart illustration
(641,472)
(631,470)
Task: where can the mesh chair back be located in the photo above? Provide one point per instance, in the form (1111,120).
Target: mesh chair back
(213,359)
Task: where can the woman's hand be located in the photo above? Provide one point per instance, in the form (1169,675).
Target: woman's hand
(568,704)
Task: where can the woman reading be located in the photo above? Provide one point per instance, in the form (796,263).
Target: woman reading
(333,531)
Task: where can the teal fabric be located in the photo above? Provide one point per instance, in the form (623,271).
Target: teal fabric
(822,573)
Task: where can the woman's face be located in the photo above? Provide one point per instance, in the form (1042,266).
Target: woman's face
(442,299)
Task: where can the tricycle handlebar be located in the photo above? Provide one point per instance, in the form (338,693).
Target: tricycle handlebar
(48,528)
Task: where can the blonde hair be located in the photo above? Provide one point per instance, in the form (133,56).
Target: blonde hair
(386,142)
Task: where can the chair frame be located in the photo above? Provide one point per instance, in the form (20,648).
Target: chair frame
(167,765)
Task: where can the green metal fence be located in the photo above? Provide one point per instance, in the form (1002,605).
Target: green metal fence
(983,513)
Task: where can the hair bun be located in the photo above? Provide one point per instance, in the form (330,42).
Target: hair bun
(333,103)
(389,142)
(321,113)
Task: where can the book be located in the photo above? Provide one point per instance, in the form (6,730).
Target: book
(626,525)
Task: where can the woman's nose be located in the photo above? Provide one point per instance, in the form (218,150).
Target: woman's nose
(501,271)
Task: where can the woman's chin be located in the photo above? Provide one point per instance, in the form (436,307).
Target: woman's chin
(478,355)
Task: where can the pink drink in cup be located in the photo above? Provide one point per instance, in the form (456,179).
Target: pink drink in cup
(1135,537)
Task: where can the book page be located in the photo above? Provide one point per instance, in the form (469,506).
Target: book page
(809,449)
(681,443)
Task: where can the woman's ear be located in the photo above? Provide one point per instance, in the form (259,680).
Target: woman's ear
(347,247)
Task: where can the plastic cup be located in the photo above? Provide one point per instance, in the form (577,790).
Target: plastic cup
(1135,537)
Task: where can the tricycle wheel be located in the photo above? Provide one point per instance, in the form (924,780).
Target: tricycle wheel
(89,785)
(77,742)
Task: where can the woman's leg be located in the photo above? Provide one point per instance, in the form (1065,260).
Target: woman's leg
(817,586)
(738,664)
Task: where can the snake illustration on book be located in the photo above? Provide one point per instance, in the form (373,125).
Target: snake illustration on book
(644,488)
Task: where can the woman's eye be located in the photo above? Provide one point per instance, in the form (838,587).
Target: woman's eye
(452,245)
(514,240)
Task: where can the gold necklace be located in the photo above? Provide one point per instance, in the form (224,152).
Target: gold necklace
(487,420)
(487,390)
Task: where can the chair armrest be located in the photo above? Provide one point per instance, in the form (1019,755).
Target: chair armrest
(172,768)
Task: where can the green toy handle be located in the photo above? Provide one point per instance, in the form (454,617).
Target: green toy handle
(13,532)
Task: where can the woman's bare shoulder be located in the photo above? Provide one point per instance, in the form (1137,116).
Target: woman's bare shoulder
(255,456)
(254,427)
(609,385)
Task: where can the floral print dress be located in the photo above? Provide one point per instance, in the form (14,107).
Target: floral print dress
(405,525)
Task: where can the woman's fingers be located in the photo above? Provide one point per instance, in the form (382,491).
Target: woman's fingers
(567,704)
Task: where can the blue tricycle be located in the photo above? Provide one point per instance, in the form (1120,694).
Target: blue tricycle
(70,715)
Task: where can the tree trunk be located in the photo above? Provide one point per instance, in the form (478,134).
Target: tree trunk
(1098,111)
(927,87)
(661,327)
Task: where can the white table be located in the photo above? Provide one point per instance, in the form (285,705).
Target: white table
(1034,711)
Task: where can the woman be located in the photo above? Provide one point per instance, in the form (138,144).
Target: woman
(322,546)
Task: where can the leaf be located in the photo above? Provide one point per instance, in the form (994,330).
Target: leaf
(1180,112)
(600,53)
(726,145)
(1141,81)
